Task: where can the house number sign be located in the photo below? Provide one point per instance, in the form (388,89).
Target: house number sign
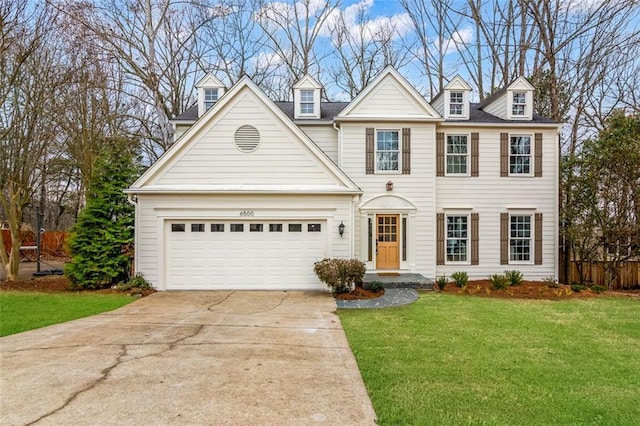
(246,213)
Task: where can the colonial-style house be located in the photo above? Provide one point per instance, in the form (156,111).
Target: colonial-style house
(253,192)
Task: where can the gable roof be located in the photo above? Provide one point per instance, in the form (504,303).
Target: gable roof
(173,153)
(390,73)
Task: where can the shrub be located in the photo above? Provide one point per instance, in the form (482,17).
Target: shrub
(341,275)
(514,277)
(138,282)
(460,278)
(550,281)
(499,281)
(598,288)
(376,286)
(577,287)
(442,282)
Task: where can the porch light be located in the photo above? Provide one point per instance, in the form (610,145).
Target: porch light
(341,229)
(389,186)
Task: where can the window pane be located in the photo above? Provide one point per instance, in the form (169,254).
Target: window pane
(404,238)
(520,155)
(457,238)
(306,108)
(217,227)
(255,227)
(295,227)
(177,227)
(306,95)
(197,227)
(236,227)
(275,227)
(457,153)
(520,238)
(313,227)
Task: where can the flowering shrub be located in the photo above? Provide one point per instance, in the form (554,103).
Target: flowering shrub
(341,275)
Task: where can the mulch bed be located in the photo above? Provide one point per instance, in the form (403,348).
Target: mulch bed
(58,284)
(478,288)
(530,290)
(360,293)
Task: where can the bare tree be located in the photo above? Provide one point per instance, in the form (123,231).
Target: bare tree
(363,48)
(153,41)
(293,30)
(30,77)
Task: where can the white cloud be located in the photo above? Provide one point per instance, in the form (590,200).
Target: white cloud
(266,60)
(463,36)
(399,24)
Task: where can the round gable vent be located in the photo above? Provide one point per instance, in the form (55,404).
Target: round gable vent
(247,138)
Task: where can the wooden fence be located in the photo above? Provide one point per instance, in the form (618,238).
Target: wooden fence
(53,243)
(593,273)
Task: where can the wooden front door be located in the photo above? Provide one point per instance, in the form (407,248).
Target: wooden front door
(387,242)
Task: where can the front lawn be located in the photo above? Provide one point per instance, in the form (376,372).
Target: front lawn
(464,360)
(20,311)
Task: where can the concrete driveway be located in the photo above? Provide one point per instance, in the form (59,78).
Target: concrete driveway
(219,358)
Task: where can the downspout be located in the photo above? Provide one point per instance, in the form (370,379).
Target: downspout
(133,199)
(354,199)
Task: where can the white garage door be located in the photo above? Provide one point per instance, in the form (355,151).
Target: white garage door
(217,255)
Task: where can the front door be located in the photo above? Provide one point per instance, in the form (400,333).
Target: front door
(387,242)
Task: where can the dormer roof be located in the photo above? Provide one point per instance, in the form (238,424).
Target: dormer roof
(307,82)
(209,80)
(501,102)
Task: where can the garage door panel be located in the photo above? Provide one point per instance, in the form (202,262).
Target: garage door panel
(244,260)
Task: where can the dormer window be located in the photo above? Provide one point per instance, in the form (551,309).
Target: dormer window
(210,89)
(306,98)
(519,105)
(210,98)
(307,102)
(456,103)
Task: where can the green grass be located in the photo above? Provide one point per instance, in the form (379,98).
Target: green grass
(27,311)
(448,360)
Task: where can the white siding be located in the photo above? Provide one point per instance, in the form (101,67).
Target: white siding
(489,195)
(418,187)
(154,210)
(326,137)
(212,157)
(439,104)
(179,130)
(498,107)
(388,99)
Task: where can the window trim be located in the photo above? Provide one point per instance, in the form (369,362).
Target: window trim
(531,156)
(210,102)
(531,238)
(446,239)
(375,151)
(467,155)
(307,102)
(515,95)
(460,103)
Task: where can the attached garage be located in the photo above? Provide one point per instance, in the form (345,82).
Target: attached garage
(244,254)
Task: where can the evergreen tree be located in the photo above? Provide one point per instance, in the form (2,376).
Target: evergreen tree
(106,225)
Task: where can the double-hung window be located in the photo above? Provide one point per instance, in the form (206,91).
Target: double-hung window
(387,151)
(210,98)
(306,102)
(520,155)
(520,235)
(457,238)
(456,103)
(519,104)
(457,155)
